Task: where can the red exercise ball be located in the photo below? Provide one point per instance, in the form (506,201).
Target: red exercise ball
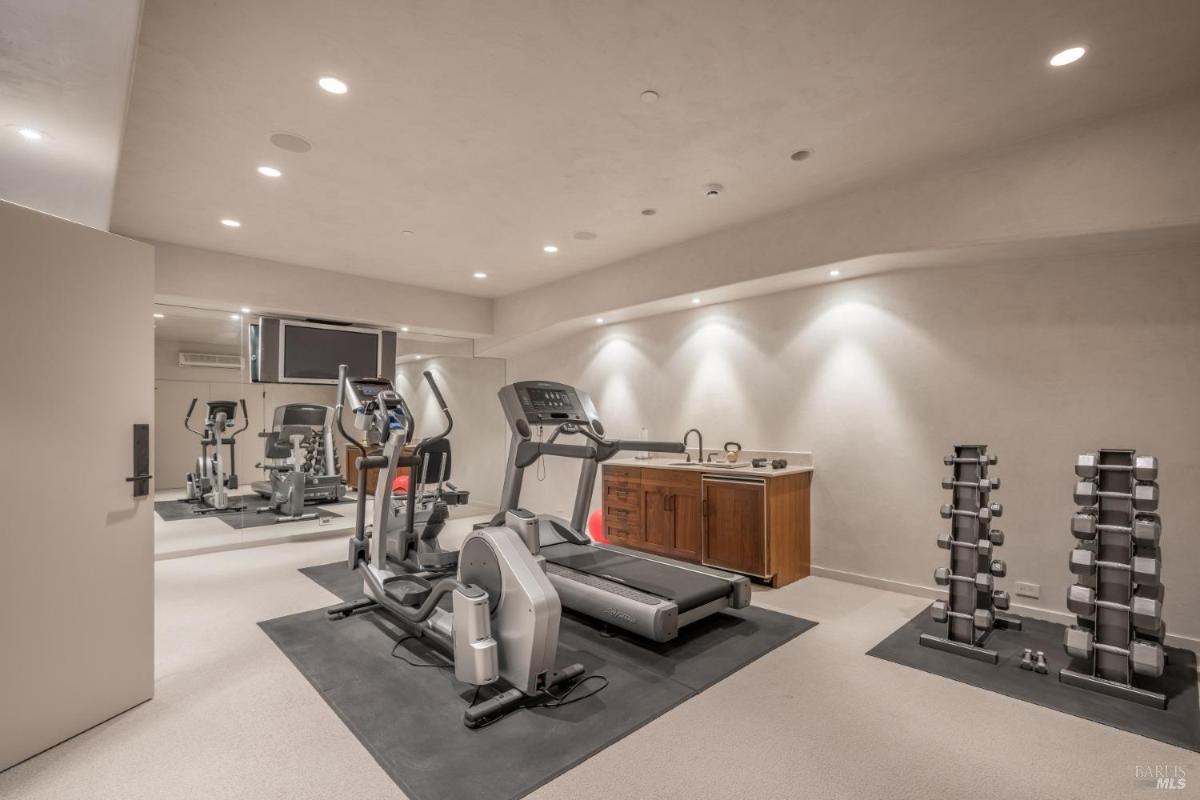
(596,525)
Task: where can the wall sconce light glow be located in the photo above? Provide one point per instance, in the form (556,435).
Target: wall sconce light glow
(550,248)
(1068,56)
(833,273)
(160,316)
(31,134)
(695,301)
(333,85)
(235,316)
(245,311)
(480,275)
(231,223)
(599,320)
(270,172)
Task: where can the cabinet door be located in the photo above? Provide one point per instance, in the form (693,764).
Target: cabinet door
(735,525)
(685,508)
(659,519)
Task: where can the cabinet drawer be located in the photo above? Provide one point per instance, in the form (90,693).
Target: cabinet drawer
(623,495)
(622,534)
(623,516)
(672,479)
(623,474)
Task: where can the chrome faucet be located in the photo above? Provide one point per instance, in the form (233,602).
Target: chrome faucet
(699,445)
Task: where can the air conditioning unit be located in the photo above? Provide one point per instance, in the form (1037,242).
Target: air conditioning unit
(218,360)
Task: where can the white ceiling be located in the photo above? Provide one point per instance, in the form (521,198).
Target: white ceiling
(490,129)
(64,71)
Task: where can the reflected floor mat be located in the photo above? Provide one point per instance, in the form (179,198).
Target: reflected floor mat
(410,718)
(248,517)
(1179,724)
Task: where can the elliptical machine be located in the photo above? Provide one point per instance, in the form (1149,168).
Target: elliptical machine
(503,620)
(208,486)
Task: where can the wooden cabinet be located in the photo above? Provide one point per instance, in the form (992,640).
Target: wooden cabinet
(672,513)
(735,525)
(756,525)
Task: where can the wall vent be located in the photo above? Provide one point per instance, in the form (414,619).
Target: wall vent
(218,360)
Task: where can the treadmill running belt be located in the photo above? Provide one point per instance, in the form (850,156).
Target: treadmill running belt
(687,588)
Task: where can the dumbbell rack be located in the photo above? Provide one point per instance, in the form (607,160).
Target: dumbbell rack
(1118,596)
(969,610)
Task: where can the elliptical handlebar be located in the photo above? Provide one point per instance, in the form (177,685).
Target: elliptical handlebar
(339,403)
(245,421)
(187,420)
(437,393)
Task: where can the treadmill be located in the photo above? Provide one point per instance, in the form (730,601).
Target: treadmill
(646,595)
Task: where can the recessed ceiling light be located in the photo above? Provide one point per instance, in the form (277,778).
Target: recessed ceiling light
(292,142)
(801,155)
(833,273)
(406,233)
(420,357)
(649,96)
(1068,56)
(245,311)
(31,134)
(404,328)
(583,236)
(333,85)
(713,190)
(160,316)
(235,316)
(599,320)
(231,223)
(649,212)
(550,248)
(695,301)
(481,275)
(270,172)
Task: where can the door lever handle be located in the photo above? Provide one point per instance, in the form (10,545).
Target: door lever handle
(133,478)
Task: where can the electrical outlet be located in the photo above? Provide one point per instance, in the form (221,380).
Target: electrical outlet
(1026,589)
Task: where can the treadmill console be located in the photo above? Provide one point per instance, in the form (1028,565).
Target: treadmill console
(547,403)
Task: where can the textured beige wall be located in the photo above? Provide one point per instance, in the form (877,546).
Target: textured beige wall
(879,377)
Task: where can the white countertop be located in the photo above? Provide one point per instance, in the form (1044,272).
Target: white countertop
(797,463)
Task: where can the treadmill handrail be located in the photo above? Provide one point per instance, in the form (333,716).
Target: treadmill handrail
(529,452)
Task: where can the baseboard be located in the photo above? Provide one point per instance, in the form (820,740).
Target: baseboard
(1050,615)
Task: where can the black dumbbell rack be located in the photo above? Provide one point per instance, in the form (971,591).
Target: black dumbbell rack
(1118,495)
(970,609)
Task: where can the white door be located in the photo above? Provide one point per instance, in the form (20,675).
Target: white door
(76,549)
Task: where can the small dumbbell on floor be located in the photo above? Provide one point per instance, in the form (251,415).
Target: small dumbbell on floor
(985,513)
(1146,571)
(1146,657)
(982,619)
(1146,528)
(1145,611)
(982,581)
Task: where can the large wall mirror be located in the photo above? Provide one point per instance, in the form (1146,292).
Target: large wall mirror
(228,448)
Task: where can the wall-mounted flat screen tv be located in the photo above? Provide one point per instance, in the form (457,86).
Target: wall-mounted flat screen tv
(310,352)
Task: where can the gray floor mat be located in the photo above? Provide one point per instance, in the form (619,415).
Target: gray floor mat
(410,718)
(174,510)
(1179,724)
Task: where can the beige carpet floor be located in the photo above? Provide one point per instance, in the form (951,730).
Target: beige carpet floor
(232,718)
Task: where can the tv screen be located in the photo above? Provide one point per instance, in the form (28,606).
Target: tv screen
(313,353)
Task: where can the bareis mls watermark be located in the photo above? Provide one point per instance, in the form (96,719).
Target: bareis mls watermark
(1160,776)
